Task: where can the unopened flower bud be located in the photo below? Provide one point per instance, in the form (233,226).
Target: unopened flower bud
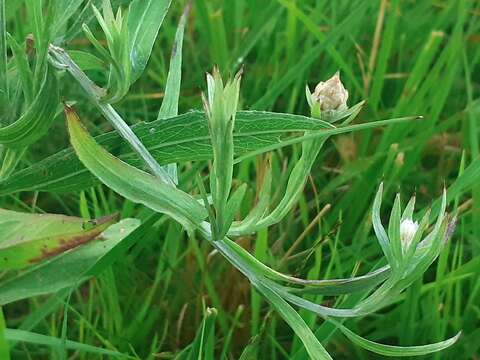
(408,228)
(331,94)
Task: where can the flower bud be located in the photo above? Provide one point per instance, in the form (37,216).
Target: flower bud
(331,94)
(408,228)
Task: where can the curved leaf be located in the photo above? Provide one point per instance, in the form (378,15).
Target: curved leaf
(39,339)
(132,183)
(325,287)
(295,321)
(400,351)
(38,118)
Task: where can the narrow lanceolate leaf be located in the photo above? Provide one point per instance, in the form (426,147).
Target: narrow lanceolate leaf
(69,268)
(399,351)
(15,335)
(37,119)
(292,318)
(26,239)
(132,183)
(169,106)
(177,139)
(325,287)
(205,331)
(144,20)
(295,321)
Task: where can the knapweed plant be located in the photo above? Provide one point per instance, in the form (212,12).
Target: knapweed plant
(58,253)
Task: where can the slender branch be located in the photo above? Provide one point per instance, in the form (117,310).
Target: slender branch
(62,60)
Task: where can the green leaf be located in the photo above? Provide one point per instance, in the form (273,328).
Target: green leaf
(295,321)
(233,205)
(264,286)
(408,212)
(23,68)
(400,351)
(37,119)
(66,9)
(87,61)
(325,287)
(169,106)
(183,138)
(380,232)
(144,20)
(69,268)
(206,331)
(132,183)
(26,239)
(63,61)
(394,230)
(39,339)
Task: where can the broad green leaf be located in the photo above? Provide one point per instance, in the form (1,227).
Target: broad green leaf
(144,20)
(39,339)
(132,183)
(180,138)
(69,268)
(26,239)
(37,119)
(184,138)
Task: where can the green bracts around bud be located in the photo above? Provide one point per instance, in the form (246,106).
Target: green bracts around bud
(118,54)
(329,96)
(220,109)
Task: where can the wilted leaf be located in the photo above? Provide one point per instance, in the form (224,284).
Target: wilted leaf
(26,239)
(67,269)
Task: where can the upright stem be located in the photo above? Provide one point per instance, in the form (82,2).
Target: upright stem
(62,60)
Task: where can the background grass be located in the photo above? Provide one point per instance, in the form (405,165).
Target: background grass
(404,58)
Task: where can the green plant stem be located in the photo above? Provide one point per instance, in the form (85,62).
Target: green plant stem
(61,59)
